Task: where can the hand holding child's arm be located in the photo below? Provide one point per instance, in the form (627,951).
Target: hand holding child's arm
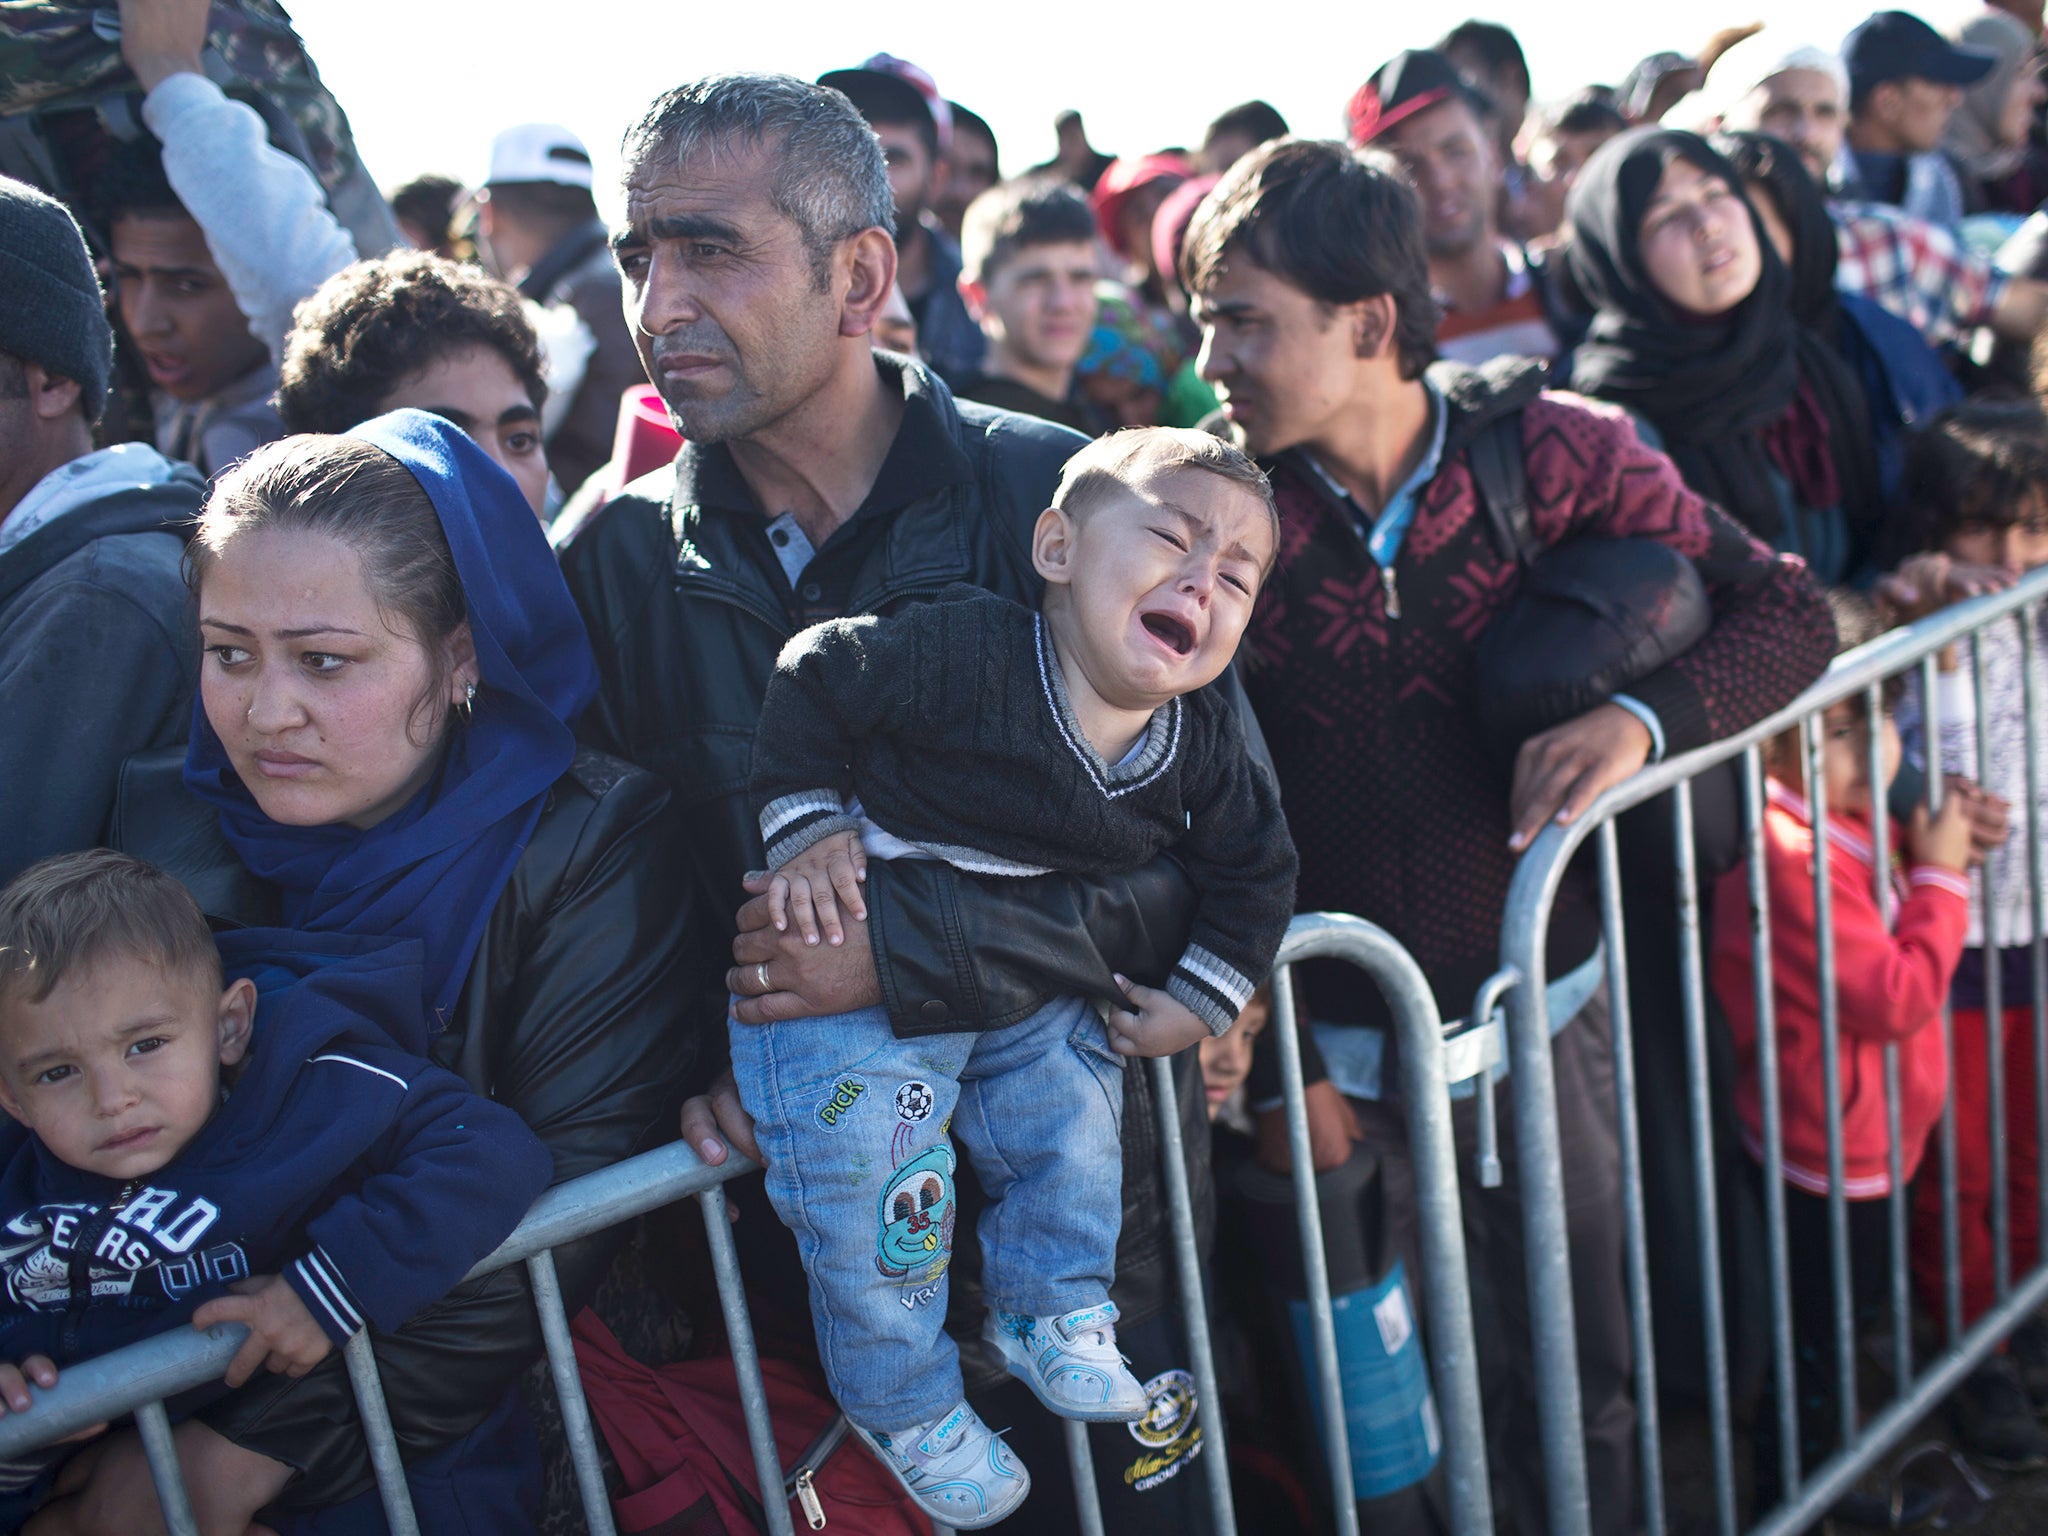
(812,886)
(1157,1023)
(1946,841)
(282,1333)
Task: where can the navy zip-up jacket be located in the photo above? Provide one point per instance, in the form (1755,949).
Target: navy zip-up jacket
(341,1159)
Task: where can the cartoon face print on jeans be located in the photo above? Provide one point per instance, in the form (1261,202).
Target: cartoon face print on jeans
(916,1240)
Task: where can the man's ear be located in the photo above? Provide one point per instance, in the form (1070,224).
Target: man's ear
(50,395)
(237,1019)
(975,296)
(1373,325)
(1052,547)
(868,268)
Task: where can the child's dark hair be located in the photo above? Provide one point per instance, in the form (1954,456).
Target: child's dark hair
(1980,463)
(1114,460)
(67,913)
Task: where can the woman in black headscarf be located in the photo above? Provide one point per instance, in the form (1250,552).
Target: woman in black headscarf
(1904,380)
(1694,333)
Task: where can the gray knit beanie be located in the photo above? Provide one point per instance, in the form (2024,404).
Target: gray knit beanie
(51,308)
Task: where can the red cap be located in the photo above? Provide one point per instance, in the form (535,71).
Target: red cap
(1121,179)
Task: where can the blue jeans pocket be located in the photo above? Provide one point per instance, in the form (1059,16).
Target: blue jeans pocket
(1090,1042)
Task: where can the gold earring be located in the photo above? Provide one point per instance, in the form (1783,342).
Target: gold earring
(469,701)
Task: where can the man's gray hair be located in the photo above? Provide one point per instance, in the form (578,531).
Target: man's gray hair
(830,178)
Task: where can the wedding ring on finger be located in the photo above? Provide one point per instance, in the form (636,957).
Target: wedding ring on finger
(761,975)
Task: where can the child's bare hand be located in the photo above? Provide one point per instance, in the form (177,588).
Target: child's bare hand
(1990,816)
(812,887)
(282,1333)
(1927,583)
(1947,840)
(1157,1023)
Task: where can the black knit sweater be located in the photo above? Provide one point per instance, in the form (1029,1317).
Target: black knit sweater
(950,722)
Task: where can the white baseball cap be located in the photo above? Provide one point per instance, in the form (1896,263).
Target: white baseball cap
(539,152)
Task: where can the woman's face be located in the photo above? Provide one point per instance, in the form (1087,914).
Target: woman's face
(1698,241)
(312,688)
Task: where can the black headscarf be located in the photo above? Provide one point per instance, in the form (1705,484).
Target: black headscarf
(1713,388)
(1760,158)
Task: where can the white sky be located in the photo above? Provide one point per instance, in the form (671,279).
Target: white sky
(427,82)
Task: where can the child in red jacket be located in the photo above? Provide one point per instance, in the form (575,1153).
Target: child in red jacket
(1893,965)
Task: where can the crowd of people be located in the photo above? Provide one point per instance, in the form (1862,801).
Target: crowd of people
(859,653)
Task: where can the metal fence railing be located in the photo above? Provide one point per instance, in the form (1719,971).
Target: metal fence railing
(138,1379)
(1809,1493)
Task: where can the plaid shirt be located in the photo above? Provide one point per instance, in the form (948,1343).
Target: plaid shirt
(1914,269)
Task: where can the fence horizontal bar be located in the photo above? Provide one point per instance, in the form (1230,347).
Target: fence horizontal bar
(1852,672)
(612,1195)
(111,1385)
(1839,1475)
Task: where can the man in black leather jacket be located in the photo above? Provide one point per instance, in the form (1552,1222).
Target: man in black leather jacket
(819,480)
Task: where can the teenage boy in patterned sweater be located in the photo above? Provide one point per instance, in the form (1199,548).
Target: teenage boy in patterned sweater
(1083,738)
(1311,284)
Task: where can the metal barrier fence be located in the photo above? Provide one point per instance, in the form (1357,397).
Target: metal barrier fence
(138,1379)
(1538,880)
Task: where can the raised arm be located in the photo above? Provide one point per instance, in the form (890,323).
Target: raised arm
(264,215)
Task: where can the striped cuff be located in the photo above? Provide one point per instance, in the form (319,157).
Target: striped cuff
(1941,879)
(1213,989)
(318,1281)
(792,823)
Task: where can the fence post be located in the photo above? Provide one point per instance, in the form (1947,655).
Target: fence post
(1453,1354)
(1188,1261)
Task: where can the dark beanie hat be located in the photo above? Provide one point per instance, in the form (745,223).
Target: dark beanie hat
(51,308)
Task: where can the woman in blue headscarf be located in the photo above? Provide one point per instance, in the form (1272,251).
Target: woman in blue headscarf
(382,745)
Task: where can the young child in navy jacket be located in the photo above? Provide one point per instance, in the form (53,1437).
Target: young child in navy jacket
(248,1133)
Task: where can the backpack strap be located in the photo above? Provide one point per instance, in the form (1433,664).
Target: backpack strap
(1495,459)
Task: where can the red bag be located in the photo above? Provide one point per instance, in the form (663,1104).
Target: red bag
(680,1439)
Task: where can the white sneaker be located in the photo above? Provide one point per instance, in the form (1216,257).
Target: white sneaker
(1071,1363)
(960,1472)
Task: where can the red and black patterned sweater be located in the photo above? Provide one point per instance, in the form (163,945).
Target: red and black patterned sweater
(1399,811)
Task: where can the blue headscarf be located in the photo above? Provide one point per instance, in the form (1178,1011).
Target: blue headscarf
(433,870)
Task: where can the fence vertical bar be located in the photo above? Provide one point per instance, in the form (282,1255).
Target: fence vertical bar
(2037,892)
(1087,1499)
(1994,1003)
(576,1426)
(746,1360)
(1692,976)
(1308,1214)
(1894,1121)
(378,1436)
(1649,1432)
(1951,1233)
(1553,1329)
(1813,744)
(1180,1208)
(1764,996)
(154,1425)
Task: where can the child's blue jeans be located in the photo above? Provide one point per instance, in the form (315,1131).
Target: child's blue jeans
(854,1121)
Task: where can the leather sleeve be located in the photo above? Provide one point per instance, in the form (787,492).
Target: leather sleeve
(588,1032)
